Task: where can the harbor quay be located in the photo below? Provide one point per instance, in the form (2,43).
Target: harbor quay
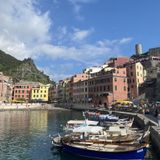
(28,106)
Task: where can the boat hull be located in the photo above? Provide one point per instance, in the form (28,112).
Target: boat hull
(138,154)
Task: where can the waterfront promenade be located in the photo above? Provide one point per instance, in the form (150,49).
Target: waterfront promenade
(28,106)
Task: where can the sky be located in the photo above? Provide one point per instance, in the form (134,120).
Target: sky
(64,37)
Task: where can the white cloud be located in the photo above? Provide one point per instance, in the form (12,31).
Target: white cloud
(25,32)
(125,40)
(77,5)
(115,42)
(22,27)
(80,35)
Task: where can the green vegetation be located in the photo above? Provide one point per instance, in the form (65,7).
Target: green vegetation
(21,70)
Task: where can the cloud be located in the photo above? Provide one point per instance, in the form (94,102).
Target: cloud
(80,35)
(115,42)
(25,32)
(77,6)
(22,27)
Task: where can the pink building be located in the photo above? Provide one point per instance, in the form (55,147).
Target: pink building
(22,90)
(117,62)
(108,86)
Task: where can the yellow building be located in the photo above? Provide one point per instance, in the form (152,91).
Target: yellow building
(40,93)
(136,76)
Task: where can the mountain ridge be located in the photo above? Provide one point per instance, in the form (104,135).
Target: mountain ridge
(21,70)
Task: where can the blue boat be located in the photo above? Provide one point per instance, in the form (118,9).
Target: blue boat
(96,116)
(112,152)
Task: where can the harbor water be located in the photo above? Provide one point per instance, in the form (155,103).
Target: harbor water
(25,135)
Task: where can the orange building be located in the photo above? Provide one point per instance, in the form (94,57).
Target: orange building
(77,86)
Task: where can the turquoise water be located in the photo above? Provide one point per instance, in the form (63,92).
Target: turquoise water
(24,135)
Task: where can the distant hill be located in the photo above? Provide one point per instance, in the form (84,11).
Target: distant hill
(21,70)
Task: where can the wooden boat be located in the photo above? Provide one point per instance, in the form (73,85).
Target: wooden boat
(105,151)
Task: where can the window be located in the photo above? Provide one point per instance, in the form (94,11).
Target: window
(124,88)
(115,79)
(115,87)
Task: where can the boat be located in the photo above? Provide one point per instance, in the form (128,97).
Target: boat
(120,122)
(135,151)
(97,116)
(56,141)
(112,134)
(71,124)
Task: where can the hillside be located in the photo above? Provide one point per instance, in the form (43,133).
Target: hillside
(21,70)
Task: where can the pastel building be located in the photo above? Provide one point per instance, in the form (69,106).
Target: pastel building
(136,76)
(109,85)
(117,62)
(22,91)
(80,91)
(39,93)
(78,86)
